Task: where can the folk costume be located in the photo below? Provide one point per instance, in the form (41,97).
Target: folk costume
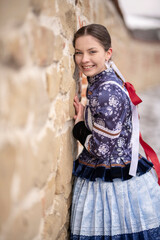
(116,195)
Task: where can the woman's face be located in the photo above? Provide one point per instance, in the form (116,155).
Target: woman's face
(90,56)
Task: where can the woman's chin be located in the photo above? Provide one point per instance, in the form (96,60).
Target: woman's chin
(89,73)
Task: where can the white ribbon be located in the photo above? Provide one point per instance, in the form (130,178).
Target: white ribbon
(135,126)
(135,141)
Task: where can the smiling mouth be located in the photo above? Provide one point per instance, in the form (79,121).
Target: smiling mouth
(88,67)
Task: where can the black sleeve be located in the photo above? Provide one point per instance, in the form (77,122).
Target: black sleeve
(80,132)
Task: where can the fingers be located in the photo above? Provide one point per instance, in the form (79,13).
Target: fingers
(76,100)
(81,106)
(76,104)
(79,110)
(80,114)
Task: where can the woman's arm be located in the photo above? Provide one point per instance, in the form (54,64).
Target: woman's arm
(80,132)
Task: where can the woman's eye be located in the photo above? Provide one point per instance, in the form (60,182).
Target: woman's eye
(92,52)
(77,53)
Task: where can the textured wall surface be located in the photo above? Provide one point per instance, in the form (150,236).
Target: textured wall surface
(36,107)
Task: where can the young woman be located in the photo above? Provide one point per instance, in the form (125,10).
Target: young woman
(115,195)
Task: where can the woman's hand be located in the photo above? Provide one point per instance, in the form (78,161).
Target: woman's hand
(79,109)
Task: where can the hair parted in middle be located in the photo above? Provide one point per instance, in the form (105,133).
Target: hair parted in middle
(97,31)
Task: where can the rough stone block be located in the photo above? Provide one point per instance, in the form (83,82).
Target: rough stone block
(65,164)
(13,49)
(68,17)
(45,47)
(72,94)
(63,234)
(26,224)
(25,166)
(37,6)
(58,48)
(24,99)
(42,50)
(49,193)
(85,7)
(11,14)
(61,112)
(7,168)
(47,7)
(46,158)
(25,169)
(71,48)
(54,222)
(67,76)
(53,80)
(36,165)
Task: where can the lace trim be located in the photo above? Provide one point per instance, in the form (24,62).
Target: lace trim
(151,234)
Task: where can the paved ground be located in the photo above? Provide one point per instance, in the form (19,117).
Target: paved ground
(149,111)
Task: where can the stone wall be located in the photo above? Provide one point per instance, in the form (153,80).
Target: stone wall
(36,107)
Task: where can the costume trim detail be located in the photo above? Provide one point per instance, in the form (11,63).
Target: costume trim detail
(151,234)
(105,131)
(108,173)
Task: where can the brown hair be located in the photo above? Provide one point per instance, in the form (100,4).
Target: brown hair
(97,31)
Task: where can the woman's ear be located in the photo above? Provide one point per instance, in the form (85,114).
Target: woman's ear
(108,54)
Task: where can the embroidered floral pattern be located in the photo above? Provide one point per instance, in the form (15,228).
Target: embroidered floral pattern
(109,111)
(94,102)
(113,101)
(103,149)
(120,142)
(108,116)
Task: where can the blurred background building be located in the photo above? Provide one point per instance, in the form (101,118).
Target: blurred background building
(142,18)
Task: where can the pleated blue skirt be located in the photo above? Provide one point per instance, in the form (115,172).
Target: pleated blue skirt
(119,210)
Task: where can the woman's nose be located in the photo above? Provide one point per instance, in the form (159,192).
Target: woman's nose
(85,58)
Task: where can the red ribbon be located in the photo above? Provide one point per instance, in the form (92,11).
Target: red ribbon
(150,153)
(132,93)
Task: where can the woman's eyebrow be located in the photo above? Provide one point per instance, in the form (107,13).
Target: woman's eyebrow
(92,48)
(76,49)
